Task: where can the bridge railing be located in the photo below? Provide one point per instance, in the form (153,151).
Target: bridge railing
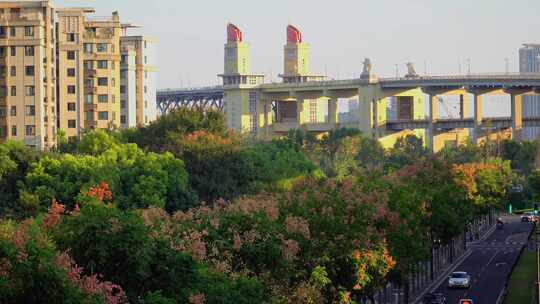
(170,90)
(467,76)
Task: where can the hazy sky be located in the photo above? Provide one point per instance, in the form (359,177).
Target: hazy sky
(443,34)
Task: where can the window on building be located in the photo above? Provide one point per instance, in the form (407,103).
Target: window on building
(103,98)
(146,104)
(30,90)
(145,75)
(113,65)
(145,89)
(13,91)
(13,111)
(102,64)
(13,51)
(145,44)
(3,112)
(29,31)
(145,60)
(123,59)
(101,47)
(3,131)
(103,81)
(89,82)
(88,48)
(113,82)
(29,70)
(71,106)
(30,130)
(2,51)
(103,115)
(72,123)
(3,91)
(3,31)
(30,110)
(71,89)
(88,98)
(29,51)
(122,119)
(122,104)
(89,64)
(122,89)
(2,71)
(89,115)
(13,130)
(71,72)
(71,37)
(13,31)
(13,71)
(71,55)
(113,99)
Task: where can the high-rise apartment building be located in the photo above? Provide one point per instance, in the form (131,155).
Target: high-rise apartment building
(27,73)
(138,81)
(529,62)
(88,71)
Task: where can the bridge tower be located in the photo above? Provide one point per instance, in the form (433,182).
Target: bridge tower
(243,110)
(296,57)
(296,69)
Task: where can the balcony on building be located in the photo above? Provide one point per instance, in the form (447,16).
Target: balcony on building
(90,73)
(90,107)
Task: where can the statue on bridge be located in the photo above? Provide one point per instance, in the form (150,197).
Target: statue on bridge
(367,67)
(366,72)
(411,72)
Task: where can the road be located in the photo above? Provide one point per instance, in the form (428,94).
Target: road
(490,263)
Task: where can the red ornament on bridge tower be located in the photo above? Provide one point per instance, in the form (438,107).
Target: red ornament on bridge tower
(234,34)
(293,35)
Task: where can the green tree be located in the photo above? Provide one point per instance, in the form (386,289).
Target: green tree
(15,162)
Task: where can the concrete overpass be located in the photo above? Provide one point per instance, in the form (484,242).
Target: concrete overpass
(372,94)
(266,110)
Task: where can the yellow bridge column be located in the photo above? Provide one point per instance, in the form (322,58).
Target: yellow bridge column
(267,115)
(463,105)
(300,113)
(517,116)
(516,111)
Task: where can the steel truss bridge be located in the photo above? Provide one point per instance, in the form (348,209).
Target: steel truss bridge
(206,97)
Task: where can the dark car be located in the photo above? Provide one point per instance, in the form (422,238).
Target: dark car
(434,298)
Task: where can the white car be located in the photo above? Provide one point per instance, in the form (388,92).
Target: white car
(459,279)
(528,217)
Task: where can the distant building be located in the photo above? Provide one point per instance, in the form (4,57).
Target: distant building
(138,81)
(529,62)
(27,80)
(353,113)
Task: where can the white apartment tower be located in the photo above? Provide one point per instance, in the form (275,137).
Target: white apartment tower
(138,80)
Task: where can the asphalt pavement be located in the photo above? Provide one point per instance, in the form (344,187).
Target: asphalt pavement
(490,263)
